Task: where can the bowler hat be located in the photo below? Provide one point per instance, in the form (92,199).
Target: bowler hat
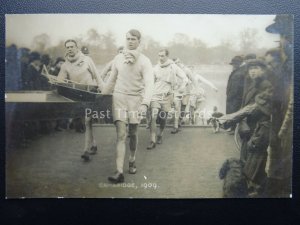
(237,60)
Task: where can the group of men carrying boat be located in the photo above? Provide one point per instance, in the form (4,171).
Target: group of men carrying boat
(137,88)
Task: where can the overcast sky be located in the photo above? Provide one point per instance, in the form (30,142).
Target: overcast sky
(211,29)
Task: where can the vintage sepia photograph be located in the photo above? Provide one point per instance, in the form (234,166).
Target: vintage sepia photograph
(149,105)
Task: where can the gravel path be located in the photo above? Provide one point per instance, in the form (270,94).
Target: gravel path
(186,165)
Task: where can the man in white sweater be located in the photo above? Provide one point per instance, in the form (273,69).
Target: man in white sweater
(78,67)
(81,69)
(181,99)
(131,81)
(166,73)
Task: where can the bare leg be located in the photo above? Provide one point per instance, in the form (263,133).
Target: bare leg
(214,123)
(217,126)
(177,112)
(88,134)
(121,145)
(133,142)
(148,119)
(200,107)
(163,122)
(192,109)
(90,147)
(154,114)
(182,113)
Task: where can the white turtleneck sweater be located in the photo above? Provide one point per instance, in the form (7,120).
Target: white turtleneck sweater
(80,69)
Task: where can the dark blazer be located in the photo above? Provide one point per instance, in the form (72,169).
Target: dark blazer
(254,149)
(234,90)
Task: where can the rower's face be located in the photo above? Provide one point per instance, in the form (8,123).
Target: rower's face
(72,49)
(255,72)
(162,57)
(132,42)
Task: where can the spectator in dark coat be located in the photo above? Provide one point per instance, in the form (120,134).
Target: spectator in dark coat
(254,149)
(31,75)
(24,55)
(257,74)
(235,87)
(12,68)
(235,84)
(244,69)
(254,127)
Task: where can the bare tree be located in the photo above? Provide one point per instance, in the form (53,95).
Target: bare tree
(150,47)
(93,38)
(180,39)
(41,42)
(198,43)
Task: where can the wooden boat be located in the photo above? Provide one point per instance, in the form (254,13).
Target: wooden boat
(73,90)
(67,100)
